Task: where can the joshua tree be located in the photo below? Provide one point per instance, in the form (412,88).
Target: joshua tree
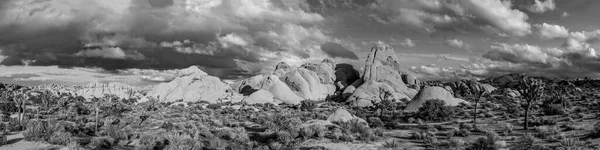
(20,97)
(479,94)
(531,90)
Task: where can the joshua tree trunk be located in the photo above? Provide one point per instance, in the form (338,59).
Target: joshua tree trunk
(527,115)
(475,112)
(96,125)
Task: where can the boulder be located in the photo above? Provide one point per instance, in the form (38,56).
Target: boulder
(325,70)
(281,69)
(96,89)
(249,85)
(342,115)
(307,84)
(195,86)
(259,97)
(280,90)
(382,79)
(431,93)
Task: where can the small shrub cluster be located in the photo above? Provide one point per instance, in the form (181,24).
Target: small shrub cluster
(436,110)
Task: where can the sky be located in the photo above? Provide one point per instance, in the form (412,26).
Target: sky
(145,41)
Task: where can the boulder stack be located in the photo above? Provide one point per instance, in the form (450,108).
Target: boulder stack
(382,79)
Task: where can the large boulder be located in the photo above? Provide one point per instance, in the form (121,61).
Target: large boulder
(466,88)
(280,90)
(325,70)
(382,79)
(195,85)
(249,85)
(259,97)
(307,84)
(342,115)
(431,93)
(96,89)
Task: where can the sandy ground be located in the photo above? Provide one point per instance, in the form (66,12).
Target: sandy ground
(16,142)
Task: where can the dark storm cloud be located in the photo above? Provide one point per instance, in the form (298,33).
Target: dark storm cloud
(121,34)
(337,50)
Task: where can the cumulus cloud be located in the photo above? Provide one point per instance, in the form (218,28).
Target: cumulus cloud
(430,15)
(541,6)
(408,43)
(456,43)
(337,50)
(551,31)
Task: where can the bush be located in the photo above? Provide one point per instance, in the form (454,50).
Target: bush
(308,105)
(392,144)
(595,132)
(436,110)
(307,132)
(61,138)
(104,142)
(37,131)
(491,142)
(320,130)
(544,132)
(555,109)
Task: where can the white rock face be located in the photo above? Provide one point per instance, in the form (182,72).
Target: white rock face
(342,115)
(259,97)
(430,93)
(193,84)
(96,89)
(280,90)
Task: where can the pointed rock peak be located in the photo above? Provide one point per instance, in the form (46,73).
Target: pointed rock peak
(191,70)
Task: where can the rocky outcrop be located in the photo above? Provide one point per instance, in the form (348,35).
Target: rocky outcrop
(382,79)
(431,93)
(192,85)
(280,90)
(96,89)
(467,88)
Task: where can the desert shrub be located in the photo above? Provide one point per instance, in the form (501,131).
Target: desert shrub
(572,126)
(102,142)
(367,134)
(149,141)
(490,142)
(392,144)
(3,140)
(308,105)
(595,132)
(37,131)
(61,138)
(375,122)
(436,110)
(336,134)
(506,129)
(544,132)
(181,142)
(378,131)
(307,132)
(275,145)
(320,130)
(513,110)
(285,137)
(555,109)
(525,142)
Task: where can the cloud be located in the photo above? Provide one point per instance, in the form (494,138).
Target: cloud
(456,43)
(526,54)
(232,39)
(110,52)
(542,6)
(408,43)
(551,31)
(225,36)
(565,15)
(337,50)
(428,16)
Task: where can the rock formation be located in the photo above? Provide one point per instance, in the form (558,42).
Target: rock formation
(382,79)
(192,84)
(342,115)
(430,93)
(466,88)
(96,89)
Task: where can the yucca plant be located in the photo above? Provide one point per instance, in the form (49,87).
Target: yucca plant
(392,144)
(531,90)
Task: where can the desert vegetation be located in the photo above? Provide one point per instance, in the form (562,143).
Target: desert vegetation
(550,117)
